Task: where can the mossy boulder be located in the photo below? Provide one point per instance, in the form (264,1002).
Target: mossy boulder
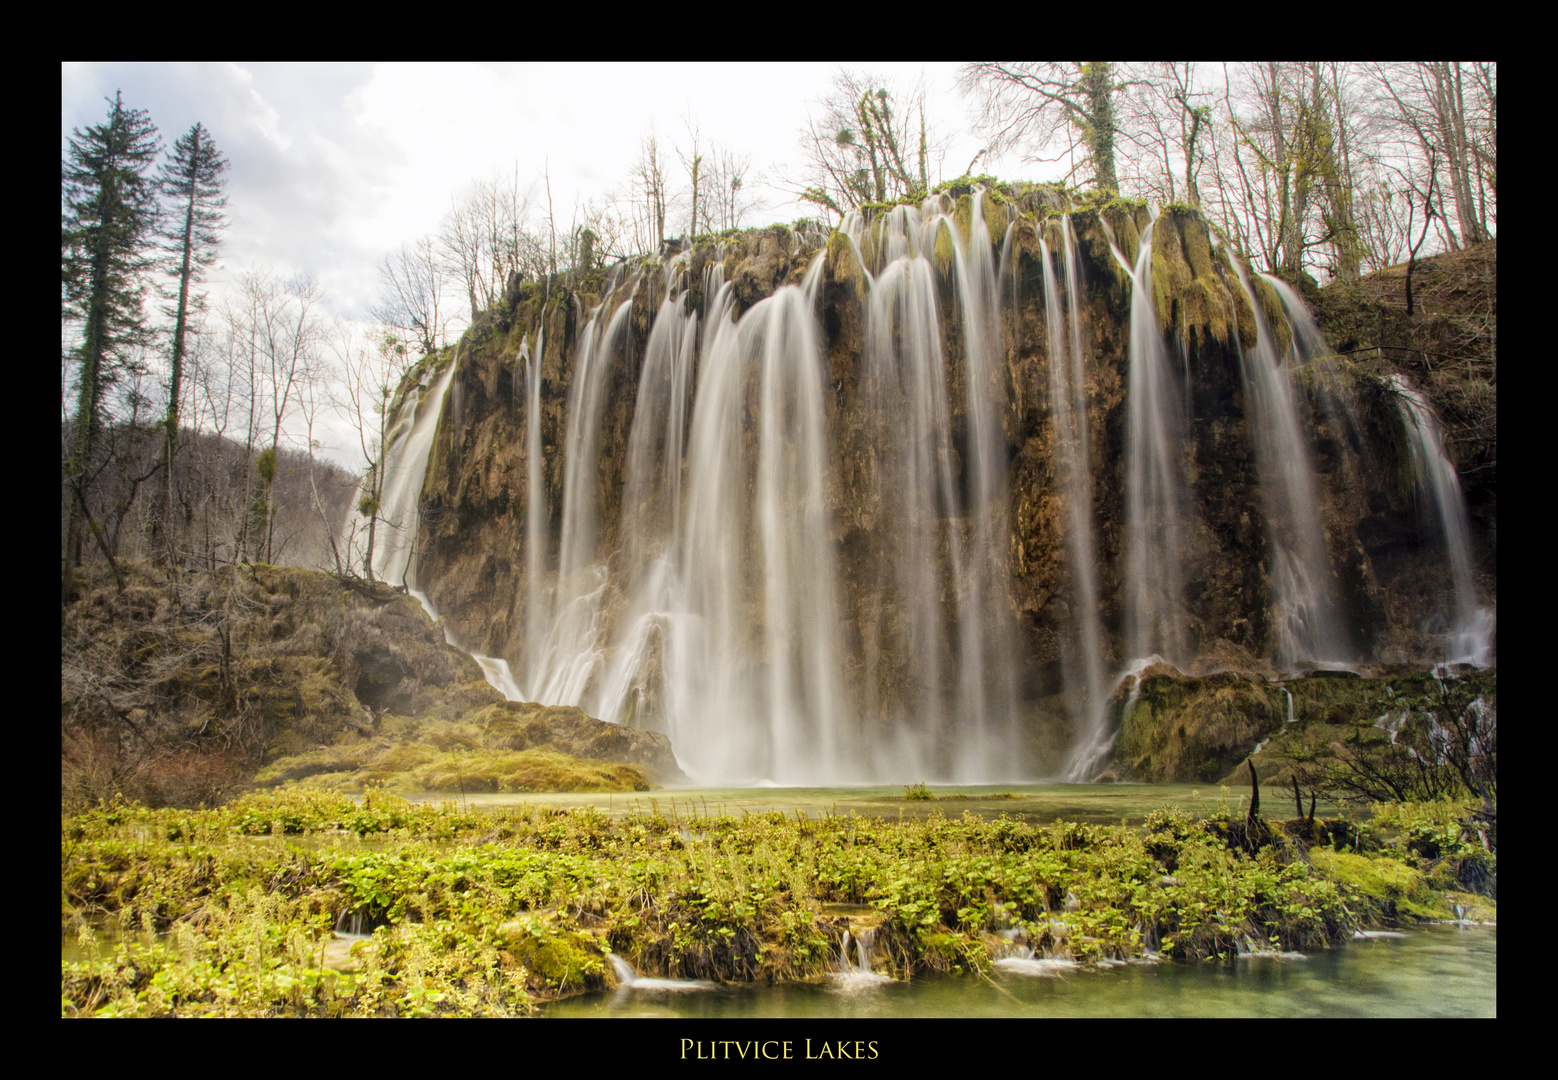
(516,725)
(1189,729)
(560,961)
(765,267)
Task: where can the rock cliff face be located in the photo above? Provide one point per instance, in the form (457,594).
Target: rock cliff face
(1389,577)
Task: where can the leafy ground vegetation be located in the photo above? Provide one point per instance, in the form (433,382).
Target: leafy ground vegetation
(233,911)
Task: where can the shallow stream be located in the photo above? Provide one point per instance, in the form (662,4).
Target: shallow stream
(1442,970)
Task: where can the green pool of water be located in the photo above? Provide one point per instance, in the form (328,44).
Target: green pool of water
(1432,971)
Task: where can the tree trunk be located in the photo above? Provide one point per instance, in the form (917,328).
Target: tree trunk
(1098,87)
(176,374)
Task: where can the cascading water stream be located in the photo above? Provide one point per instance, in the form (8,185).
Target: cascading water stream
(400,489)
(571,650)
(536,517)
(401,485)
(757,669)
(1155,489)
(1309,627)
(634,690)
(1087,696)
(730,641)
(1470,640)
(908,648)
(987,692)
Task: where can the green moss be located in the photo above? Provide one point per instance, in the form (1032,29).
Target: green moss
(843,267)
(1271,304)
(560,960)
(996,223)
(1189,294)
(1391,887)
(1194,729)
(944,251)
(963,213)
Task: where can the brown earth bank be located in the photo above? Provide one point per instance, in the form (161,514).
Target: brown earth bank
(177,691)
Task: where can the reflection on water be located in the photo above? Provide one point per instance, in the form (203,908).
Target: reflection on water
(1431,971)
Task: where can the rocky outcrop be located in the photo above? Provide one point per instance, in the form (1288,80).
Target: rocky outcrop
(1389,577)
(515,725)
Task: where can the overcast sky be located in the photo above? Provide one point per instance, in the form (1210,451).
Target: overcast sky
(333,165)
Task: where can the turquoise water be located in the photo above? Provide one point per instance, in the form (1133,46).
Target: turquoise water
(1432,971)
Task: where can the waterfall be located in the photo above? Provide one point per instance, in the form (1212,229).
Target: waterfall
(858,970)
(987,692)
(634,690)
(1156,434)
(536,516)
(403,467)
(729,640)
(567,658)
(1307,623)
(916,501)
(1068,410)
(810,579)
(1470,640)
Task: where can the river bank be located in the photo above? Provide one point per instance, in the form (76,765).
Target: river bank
(311,903)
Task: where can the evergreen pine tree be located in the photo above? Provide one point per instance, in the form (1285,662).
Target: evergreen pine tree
(192,179)
(108,215)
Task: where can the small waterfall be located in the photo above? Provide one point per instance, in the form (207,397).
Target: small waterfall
(536,516)
(626,976)
(1308,627)
(1471,639)
(404,467)
(859,971)
(1068,408)
(1155,489)
(1020,959)
(1289,695)
(628,979)
(499,676)
(352,924)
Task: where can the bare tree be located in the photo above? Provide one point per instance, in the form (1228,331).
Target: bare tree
(1165,128)
(280,332)
(650,197)
(869,142)
(1031,105)
(692,161)
(486,237)
(367,375)
(411,282)
(730,189)
(1430,99)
